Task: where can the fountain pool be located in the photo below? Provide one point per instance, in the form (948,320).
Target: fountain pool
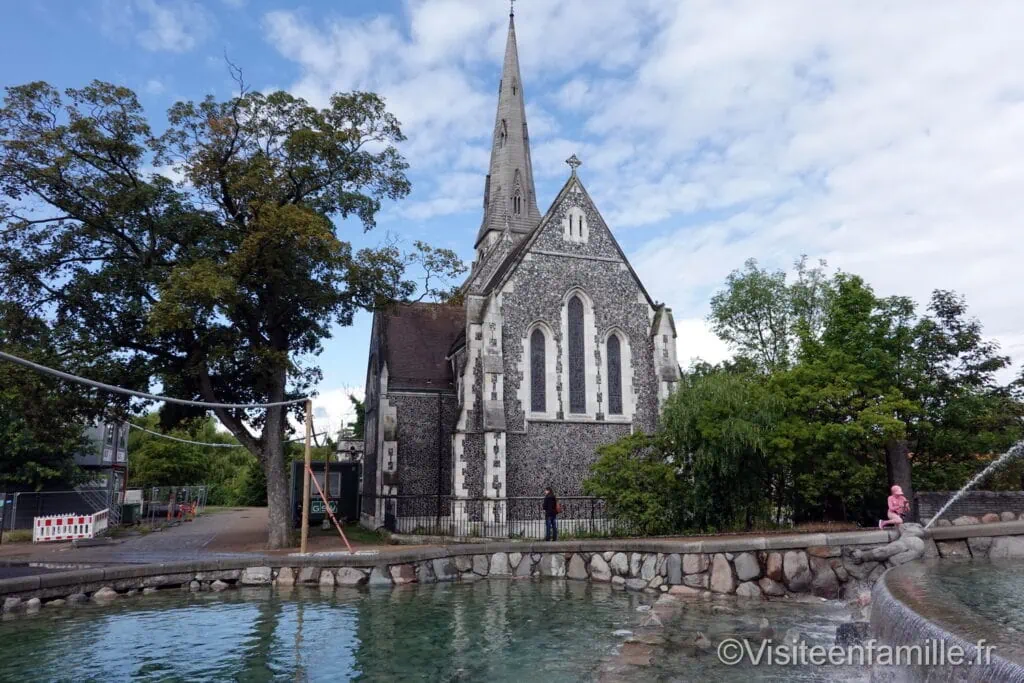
(487,631)
(958,603)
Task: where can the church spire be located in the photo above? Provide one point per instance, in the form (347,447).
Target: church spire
(510,198)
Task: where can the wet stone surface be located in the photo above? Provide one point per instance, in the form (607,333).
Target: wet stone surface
(682,643)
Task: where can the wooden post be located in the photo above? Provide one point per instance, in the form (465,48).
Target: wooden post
(327,473)
(305,476)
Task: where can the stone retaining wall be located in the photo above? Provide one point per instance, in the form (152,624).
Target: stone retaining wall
(965,538)
(749,567)
(972,503)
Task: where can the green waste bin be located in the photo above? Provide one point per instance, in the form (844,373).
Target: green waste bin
(130,514)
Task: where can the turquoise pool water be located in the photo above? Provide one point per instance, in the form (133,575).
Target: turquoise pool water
(993,590)
(489,631)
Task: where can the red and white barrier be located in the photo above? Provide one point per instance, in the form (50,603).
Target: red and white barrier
(68,527)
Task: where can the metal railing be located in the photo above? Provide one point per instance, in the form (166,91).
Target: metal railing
(168,502)
(434,515)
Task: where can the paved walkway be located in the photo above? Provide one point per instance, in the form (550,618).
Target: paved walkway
(230,533)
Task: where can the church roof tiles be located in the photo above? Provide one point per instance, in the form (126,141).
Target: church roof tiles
(416,340)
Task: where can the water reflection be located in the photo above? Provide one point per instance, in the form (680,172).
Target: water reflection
(487,631)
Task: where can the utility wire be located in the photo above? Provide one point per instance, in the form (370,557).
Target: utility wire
(193,443)
(302,438)
(202,443)
(140,394)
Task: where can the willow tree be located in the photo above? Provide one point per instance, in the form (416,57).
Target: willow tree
(222,286)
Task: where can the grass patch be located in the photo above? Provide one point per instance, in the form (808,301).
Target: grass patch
(584,534)
(360,534)
(18,536)
(355,534)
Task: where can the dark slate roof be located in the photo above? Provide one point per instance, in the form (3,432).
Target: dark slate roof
(417,338)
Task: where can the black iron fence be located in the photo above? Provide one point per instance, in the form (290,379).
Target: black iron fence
(433,515)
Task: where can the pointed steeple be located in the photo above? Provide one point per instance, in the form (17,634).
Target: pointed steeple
(510,198)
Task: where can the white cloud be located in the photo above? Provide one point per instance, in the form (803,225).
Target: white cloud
(696,341)
(332,409)
(173,173)
(154,86)
(882,137)
(157,26)
(437,67)
(892,157)
(456,193)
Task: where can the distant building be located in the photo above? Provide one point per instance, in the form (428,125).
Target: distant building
(557,349)
(103,459)
(105,462)
(349,450)
(107,447)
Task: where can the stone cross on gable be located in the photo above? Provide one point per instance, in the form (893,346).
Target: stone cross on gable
(574,163)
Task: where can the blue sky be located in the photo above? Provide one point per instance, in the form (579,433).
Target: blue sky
(884,139)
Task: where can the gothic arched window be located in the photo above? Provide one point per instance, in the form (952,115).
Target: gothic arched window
(614,375)
(538,373)
(517,203)
(577,358)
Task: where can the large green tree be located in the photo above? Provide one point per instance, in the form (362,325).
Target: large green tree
(359,425)
(871,385)
(42,419)
(763,315)
(835,392)
(717,428)
(221,287)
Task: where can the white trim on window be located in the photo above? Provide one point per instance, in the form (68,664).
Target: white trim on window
(626,361)
(574,225)
(590,369)
(550,373)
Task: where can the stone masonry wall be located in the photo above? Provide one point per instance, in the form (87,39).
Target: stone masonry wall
(823,571)
(745,567)
(556,454)
(972,503)
(539,286)
(559,453)
(424,442)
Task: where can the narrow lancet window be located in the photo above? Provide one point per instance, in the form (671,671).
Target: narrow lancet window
(577,358)
(614,376)
(538,373)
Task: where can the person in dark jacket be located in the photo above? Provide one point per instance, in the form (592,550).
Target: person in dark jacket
(550,515)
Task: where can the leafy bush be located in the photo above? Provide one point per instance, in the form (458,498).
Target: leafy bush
(638,485)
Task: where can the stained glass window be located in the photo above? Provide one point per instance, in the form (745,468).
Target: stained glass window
(577,358)
(538,399)
(614,376)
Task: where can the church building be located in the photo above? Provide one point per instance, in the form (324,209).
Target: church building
(556,349)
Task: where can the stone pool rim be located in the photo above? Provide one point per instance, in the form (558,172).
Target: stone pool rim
(894,607)
(723,544)
(54,584)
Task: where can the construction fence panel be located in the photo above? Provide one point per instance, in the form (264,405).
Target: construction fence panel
(25,506)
